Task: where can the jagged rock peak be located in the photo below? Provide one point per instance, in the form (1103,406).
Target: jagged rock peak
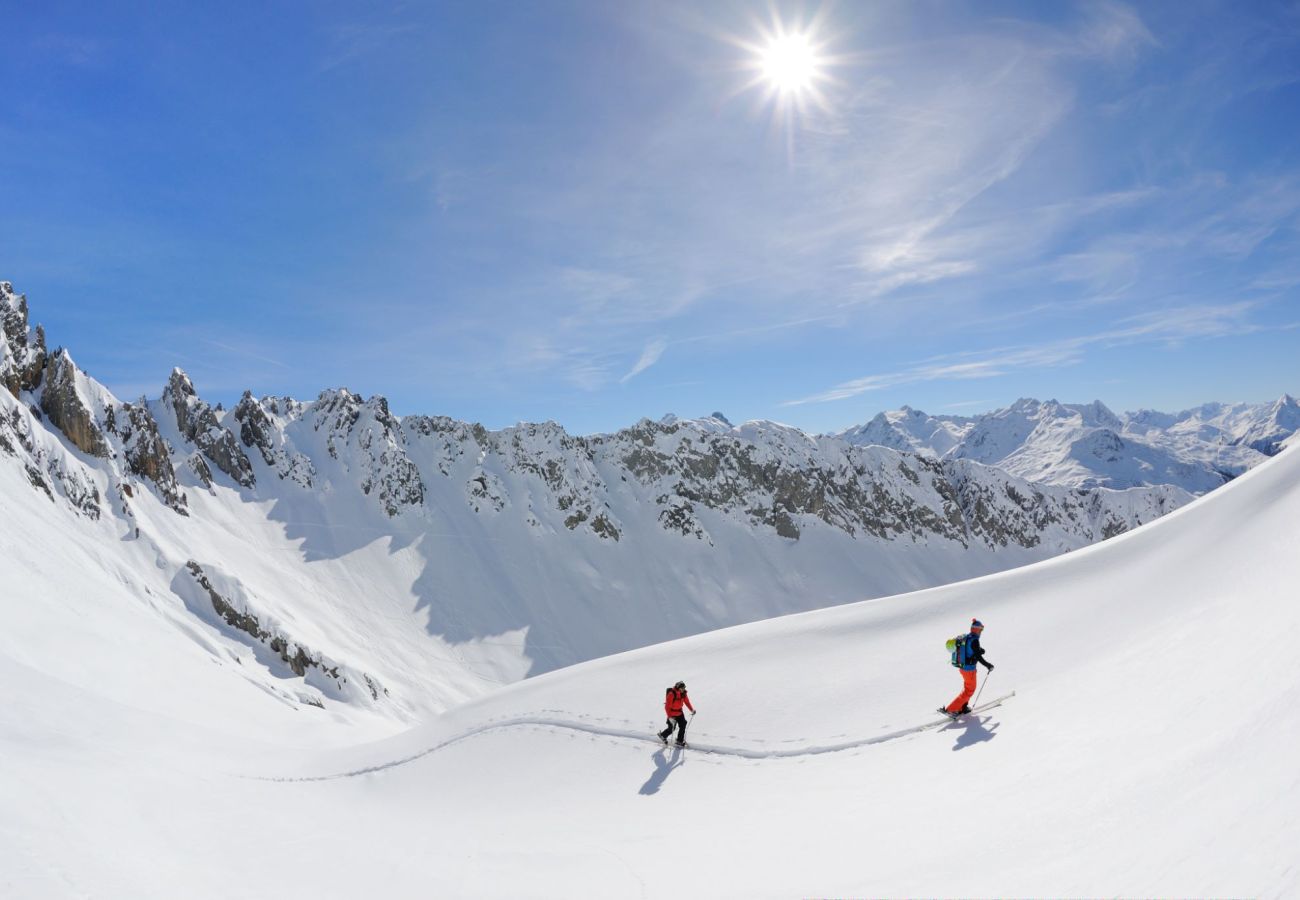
(11,301)
(255,428)
(146,453)
(258,429)
(180,383)
(198,424)
(66,402)
(1099,414)
(367,435)
(22,360)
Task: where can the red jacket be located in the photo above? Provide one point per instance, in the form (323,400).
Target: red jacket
(673,703)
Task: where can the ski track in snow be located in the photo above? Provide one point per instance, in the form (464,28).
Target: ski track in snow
(636,735)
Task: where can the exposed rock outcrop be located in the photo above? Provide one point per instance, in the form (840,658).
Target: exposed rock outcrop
(198,423)
(377,445)
(256,429)
(68,407)
(46,466)
(301,660)
(146,453)
(22,355)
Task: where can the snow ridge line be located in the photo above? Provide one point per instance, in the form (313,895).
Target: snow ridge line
(543,721)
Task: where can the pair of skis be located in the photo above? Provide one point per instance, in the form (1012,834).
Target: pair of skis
(953,717)
(847,745)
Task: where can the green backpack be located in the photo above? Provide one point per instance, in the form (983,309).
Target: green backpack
(957,648)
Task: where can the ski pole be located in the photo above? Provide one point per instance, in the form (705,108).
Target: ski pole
(976,701)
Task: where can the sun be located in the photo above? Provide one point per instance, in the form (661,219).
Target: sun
(789,68)
(789,63)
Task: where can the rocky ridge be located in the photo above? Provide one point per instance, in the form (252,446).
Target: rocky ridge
(50,397)
(197,421)
(763,475)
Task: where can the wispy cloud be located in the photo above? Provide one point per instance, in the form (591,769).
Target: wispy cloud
(1170,327)
(243,351)
(906,159)
(350,42)
(997,363)
(1113,31)
(649,356)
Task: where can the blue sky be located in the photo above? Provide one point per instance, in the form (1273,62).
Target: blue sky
(589,212)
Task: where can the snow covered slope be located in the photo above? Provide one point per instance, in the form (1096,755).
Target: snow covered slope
(1147,751)
(1088,445)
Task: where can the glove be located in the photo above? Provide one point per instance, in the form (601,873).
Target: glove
(989,666)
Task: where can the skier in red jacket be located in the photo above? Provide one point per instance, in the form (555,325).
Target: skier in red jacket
(674,700)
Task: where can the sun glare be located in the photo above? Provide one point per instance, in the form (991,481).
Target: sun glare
(789,63)
(790,69)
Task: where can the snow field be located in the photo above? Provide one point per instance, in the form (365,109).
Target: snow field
(1148,749)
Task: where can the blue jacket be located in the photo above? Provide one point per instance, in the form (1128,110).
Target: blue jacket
(971,653)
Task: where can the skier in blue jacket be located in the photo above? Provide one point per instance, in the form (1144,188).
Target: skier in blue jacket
(970,653)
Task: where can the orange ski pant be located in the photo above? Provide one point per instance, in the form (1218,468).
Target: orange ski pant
(967,691)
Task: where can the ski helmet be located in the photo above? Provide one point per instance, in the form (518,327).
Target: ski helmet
(681,685)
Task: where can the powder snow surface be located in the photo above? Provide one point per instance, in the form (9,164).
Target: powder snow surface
(1149,750)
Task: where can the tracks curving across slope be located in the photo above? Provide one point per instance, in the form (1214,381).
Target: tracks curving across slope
(554,722)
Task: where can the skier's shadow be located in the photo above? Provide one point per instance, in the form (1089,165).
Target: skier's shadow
(973,731)
(664,766)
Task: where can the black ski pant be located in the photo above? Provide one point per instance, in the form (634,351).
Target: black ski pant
(678,720)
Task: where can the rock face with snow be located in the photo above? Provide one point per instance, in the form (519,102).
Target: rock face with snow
(64,401)
(197,421)
(22,353)
(1087,445)
(44,463)
(237,611)
(145,452)
(367,440)
(257,431)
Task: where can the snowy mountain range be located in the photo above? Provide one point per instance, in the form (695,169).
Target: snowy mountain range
(1089,446)
(482,549)
(399,564)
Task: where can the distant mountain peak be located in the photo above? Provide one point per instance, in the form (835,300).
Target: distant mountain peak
(1087,444)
